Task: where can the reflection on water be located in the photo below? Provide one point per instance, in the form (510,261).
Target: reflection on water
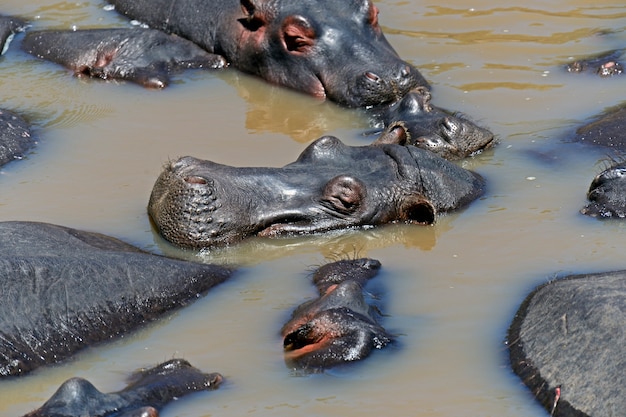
(449,290)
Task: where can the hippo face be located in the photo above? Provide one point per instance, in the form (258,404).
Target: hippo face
(450,136)
(607,193)
(330,49)
(197,203)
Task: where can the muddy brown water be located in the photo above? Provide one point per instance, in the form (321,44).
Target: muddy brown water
(449,291)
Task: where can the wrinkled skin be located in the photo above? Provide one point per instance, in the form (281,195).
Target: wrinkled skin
(15,137)
(143,56)
(607,193)
(197,203)
(9,26)
(329,49)
(567,344)
(450,136)
(339,326)
(83,288)
(605,65)
(608,129)
(148,391)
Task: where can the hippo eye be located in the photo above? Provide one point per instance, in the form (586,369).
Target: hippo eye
(344,193)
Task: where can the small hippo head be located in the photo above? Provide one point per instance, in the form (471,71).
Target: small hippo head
(607,193)
(330,49)
(197,203)
(450,136)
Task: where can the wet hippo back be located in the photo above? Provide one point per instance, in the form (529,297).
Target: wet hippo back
(65,289)
(15,137)
(326,48)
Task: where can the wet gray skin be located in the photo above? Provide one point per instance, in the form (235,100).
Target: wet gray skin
(143,56)
(607,129)
(339,326)
(328,49)
(15,137)
(449,135)
(148,391)
(9,26)
(607,193)
(197,203)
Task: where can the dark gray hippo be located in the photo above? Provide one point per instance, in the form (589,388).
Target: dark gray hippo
(567,343)
(338,327)
(16,137)
(147,392)
(9,26)
(197,203)
(143,56)
(64,289)
(451,136)
(607,193)
(605,64)
(607,129)
(329,49)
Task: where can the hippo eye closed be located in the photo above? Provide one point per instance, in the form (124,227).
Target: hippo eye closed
(344,193)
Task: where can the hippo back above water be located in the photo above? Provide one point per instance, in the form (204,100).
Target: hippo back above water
(326,48)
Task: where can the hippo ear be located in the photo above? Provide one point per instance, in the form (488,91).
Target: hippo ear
(396,133)
(344,193)
(255,16)
(298,35)
(417,209)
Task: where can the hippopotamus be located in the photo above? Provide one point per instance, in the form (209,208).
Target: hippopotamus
(334,50)
(339,326)
(16,137)
(198,203)
(607,129)
(64,289)
(9,26)
(567,344)
(451,136)
(607,193)
(605,64)
(143,56)
(147,392)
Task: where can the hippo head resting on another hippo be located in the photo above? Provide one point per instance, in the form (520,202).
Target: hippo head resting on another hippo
(197,203)
(451,136)
(327,48)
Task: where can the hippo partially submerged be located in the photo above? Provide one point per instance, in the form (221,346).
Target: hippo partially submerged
(147,392)
(605,64)
(607,129)
(64,289)
(339,326)
(16,137)
(567,343)
(326,48)
(451,136)
(9,26)
(607,193)
(144,56)
(197,203)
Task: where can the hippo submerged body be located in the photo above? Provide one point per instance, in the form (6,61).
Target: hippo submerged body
(148,391)
(15,136)
(144,56)
(64,289)
(339,326)
(567,343)
(329,49)
(197,203)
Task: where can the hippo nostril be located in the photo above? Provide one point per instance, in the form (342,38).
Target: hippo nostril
(193,179)
(372,77)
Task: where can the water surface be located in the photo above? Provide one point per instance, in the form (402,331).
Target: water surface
(450,290)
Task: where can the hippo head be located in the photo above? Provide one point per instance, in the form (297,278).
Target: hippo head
(451,136)
(607,193)
(197,203)
(330,49)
